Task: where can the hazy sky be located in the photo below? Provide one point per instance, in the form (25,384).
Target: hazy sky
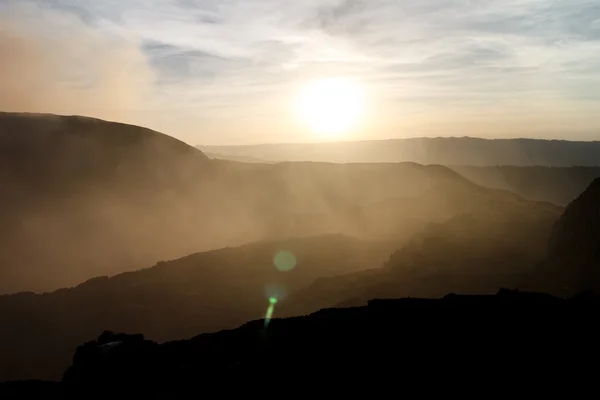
(229,71)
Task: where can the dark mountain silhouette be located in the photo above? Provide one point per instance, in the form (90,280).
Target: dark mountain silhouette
(445,151)
(517,342)
(573,260)
(172,300)
(557,185)
(84,197)
(577,232)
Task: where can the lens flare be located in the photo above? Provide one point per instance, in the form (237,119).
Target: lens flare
(284,261)
(270,309)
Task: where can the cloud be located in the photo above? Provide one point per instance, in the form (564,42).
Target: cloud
(233,64)
(178,64)
(54,62)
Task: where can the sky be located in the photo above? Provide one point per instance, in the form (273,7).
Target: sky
(230,71)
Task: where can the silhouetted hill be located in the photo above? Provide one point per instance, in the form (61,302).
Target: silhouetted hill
(516,342)
(84,197)
(554,184)
(573,261)
(172,300)
(378,200)
(445,151)
(577,232)
(468,254)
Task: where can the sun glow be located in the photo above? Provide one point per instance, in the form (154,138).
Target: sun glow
(331,106)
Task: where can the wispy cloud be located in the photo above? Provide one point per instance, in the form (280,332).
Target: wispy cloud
(223,71)
(54,61)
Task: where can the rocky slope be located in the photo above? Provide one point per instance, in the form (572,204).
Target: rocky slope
(558,185)
(471,253)
(512,341)
(573,261)
(199,293)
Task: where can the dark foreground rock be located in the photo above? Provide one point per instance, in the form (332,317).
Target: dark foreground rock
(523,343)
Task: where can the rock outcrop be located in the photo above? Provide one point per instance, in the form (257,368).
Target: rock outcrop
(510,341)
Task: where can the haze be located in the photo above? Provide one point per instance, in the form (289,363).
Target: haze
(215,72)
(216,188)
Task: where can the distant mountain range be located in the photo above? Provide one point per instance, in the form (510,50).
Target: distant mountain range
(445,151)
(558,185)
(532,180)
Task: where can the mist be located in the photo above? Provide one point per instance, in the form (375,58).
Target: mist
(114,226)
(74,69)
(89,198)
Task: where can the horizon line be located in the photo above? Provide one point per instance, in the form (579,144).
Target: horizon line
(32,113)
(395,139)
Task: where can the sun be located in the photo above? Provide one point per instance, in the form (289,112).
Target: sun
(331,106)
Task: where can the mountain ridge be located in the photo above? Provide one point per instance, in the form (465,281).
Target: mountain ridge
(89,197)
(448,151)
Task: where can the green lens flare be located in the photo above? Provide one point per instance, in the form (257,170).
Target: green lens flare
(284,261)
(270,309)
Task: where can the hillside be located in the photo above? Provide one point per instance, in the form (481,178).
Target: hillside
(84,198)
(90,198)
(558,185)
(238,275)
(374,347)
(573,260)
(106,198)
(445,151)
(476,254)
(202,292)
(218,289)
(469,254)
